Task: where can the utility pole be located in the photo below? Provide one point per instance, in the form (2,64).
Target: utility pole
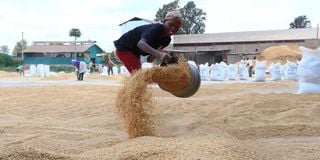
(317,37)
(22,46)
(75,45)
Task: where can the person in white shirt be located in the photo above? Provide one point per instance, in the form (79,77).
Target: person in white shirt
(250,65)
(80,68)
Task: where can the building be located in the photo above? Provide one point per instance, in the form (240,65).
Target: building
(230,47)
(62,52)
(133,23)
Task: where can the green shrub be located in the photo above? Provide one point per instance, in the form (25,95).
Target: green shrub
(6,60)
(8,69)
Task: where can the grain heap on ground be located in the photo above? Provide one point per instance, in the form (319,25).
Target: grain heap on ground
(281,54)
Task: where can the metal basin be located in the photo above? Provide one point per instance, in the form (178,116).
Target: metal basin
(193,84)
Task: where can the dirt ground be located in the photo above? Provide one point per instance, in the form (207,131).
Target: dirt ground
(247,120)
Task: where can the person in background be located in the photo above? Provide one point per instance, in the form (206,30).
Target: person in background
(80,69)
(250,66)
(20,69)
(110,67)
(91,67)
(254,61)
(147,40)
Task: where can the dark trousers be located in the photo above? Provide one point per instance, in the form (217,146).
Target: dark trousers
(250,71)
(110,70)
(80,76)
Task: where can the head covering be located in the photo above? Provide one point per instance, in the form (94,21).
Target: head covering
(175,14)
(75,63)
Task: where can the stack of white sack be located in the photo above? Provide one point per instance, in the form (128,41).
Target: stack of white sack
(232,72)
(204,71)
(290,71)
(243,72)
(218,71)
(309,71)
(275,72)
(260,71)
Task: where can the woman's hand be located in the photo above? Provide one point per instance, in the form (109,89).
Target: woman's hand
(165,57)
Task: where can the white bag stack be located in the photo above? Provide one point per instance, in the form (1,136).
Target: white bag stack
(243,72)
(218,72)
(232,72)
(204,71)
(282,69)
(47,70)
(115,70)
(275,72)
(260,71)
(309,71)
(40,70)
(290,71)
(33,70)
(104,71)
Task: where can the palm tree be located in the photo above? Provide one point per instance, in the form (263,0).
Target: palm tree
(74,32)
(300,22)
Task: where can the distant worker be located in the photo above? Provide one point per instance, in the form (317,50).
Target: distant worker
(254,62)
(110,67)
(147,40)
(91,66)
(250,66)
(20,69)
(80,68)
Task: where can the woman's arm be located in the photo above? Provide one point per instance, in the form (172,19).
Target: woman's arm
(144,46)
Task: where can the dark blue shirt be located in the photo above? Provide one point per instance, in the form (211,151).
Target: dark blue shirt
(152,33)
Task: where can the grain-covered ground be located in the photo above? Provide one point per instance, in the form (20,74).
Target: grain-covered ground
(68,119)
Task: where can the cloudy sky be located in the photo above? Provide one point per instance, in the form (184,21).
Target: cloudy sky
(51,20)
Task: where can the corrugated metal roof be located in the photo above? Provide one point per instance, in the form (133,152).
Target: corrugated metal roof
(57,48)
(138,19)
(249,36)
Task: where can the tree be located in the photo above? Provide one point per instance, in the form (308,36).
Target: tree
(193,17)
(4,49)
(300,22)
(74,32)
(21,45)
(6,60)
(161,13)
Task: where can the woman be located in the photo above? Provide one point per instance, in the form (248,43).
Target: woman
(147,40)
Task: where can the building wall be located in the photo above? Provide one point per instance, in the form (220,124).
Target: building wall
(312,43)
(237,48)
(50,60)
(233,52)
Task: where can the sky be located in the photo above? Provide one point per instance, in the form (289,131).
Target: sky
(51,20)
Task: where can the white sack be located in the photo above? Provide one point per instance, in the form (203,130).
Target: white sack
(260,71)
(275,72)
(309,71)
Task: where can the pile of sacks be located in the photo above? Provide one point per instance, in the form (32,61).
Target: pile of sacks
(222,71)
(309,71)
(306,71)
(40,70)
